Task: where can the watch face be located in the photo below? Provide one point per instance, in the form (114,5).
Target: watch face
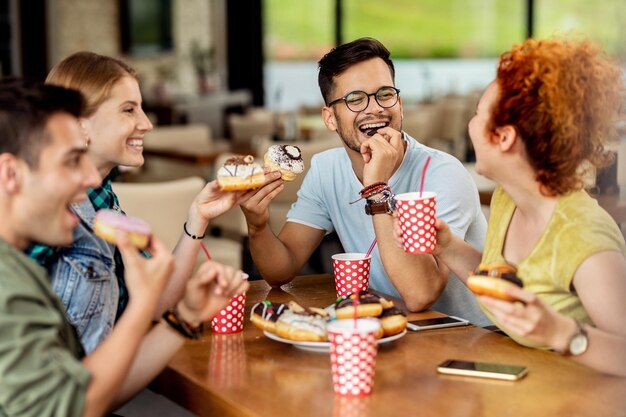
(578,345)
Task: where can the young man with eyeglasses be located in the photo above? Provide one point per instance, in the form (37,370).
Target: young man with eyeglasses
(365,109)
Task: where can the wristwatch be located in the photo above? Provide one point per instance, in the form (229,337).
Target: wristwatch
(579,343)
(383,207)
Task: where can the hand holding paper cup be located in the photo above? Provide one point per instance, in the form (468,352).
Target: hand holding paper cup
(416,215)
(230,318)
(352,272)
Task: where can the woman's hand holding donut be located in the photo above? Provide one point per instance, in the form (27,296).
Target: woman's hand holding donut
(211,202)
(210,290)
(531,318)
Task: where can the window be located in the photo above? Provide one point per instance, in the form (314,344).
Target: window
(438,28)
(298,30)
(146,26)
(602,22)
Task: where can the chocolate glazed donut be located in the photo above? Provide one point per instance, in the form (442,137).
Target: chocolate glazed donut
(368,305)
(284,158)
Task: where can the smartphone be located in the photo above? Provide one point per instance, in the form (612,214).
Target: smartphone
(482,369)
(436,323)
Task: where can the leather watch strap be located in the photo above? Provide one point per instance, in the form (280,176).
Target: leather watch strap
(377,208)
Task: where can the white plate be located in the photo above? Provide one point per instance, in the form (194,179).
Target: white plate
(324,346)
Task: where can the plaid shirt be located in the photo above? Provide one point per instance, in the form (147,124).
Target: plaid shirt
(101,198)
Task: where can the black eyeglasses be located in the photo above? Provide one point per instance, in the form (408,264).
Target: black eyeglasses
(357,101)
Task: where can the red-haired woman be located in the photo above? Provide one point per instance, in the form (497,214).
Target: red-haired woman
(546,116)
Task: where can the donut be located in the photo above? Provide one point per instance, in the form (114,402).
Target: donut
(108,222)
(285,158)
(264,315)
(492,280)
(240,173)
(368,305)
(393,321)
(302,324)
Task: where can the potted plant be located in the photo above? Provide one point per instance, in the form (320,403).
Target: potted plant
(202,59)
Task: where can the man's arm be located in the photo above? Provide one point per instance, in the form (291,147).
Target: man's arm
(279,258)
(418,278)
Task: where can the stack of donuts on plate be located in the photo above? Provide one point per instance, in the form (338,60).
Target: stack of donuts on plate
(294,322)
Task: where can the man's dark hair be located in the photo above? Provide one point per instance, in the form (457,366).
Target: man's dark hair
(344,56)
(25,108)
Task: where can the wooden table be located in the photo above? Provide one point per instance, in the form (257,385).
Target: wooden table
(248,374)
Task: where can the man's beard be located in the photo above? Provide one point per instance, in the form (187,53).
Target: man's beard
(350,136)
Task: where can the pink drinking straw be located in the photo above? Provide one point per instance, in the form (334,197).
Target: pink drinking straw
(206,251)
(424,175)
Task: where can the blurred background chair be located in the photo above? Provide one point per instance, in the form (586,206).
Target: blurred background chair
(254,123)
(179,151)
(164,205)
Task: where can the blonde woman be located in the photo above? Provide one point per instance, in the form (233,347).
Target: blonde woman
(89,275)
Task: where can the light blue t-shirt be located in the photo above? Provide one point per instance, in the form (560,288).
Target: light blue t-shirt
(331,184)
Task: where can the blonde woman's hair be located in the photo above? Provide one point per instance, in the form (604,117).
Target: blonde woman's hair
(92,74)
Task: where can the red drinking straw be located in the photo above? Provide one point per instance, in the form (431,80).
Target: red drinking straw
(206,251)
(369,251)
(424,175)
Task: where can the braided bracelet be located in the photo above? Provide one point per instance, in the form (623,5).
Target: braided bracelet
(386,195)
(176,322)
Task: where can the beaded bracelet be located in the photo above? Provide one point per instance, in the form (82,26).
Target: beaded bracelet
(372,189)
(369,188)
(194,237)
(176,322)
(375,191)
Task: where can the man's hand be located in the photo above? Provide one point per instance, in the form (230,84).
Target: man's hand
(382,153)
(256,207)
(145,278)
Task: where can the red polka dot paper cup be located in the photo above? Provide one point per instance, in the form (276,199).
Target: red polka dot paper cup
(353,355)
(417,221)
(352,272)
(230,318)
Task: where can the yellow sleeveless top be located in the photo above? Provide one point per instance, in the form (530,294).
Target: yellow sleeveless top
(578,228)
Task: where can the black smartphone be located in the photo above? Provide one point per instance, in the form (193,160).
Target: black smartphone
(436,323)
(482,369)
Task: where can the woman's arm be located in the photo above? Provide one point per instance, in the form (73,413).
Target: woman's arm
(208,204)
(459,256)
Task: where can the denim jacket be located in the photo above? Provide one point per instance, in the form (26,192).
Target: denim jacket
(84,278)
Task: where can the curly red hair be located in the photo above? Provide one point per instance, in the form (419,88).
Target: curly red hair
(562,97)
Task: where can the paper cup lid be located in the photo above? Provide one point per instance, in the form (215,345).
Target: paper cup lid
(351,256)
(415,196)
(347,326)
